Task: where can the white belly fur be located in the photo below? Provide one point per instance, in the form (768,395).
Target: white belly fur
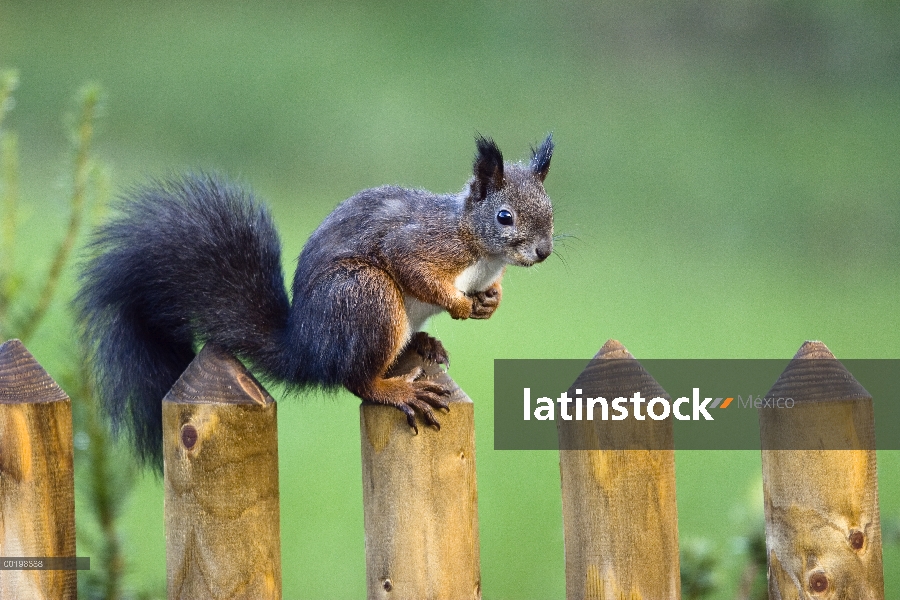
(476,278)
(417,312)
(479,276)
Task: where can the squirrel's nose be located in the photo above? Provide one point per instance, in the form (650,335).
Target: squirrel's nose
(543,252)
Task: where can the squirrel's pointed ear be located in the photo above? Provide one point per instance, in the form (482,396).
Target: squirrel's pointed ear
(488,167)
(540,158)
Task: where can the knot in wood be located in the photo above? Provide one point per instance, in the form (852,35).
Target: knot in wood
(818,582)
(188,436)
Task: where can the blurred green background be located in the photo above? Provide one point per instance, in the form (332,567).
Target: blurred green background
(729,172)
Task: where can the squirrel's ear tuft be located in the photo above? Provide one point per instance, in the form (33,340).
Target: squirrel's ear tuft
(488,167)
(540,158)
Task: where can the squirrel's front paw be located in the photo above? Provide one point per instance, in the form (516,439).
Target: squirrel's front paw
(429,348)
(485,303)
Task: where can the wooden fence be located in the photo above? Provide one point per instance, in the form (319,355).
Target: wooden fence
(420,503)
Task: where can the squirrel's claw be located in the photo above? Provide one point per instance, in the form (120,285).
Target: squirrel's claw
(410,395)
(429,394)
(427,414)
(430,349)
(410,416)
(423,402)
(433,394)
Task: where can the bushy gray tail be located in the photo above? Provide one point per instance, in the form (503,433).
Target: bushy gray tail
(186,260)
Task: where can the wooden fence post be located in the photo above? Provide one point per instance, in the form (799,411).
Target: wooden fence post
(823,535)
(420,501)
(37,493)
(220,447)
(619,514)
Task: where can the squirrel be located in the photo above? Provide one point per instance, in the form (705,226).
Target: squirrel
(196,259)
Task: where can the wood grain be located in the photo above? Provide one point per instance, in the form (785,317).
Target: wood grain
(37,498)
(220,447)
(619,514)
(420,502)
(823,535)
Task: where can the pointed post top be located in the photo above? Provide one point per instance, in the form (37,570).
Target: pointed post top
(815,375)
(814,349)
(613,373)
(23,379)
(613,349)
(614,370)
(215,376)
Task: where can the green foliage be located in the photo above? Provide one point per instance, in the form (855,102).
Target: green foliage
(105,477)
(702,572)
(104,474)
(698,570)
(87,179)
(9,189)
(753,583)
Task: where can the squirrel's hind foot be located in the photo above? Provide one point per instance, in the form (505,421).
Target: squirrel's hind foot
(408,394)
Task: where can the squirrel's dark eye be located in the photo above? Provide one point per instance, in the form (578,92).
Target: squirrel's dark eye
(504,217)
